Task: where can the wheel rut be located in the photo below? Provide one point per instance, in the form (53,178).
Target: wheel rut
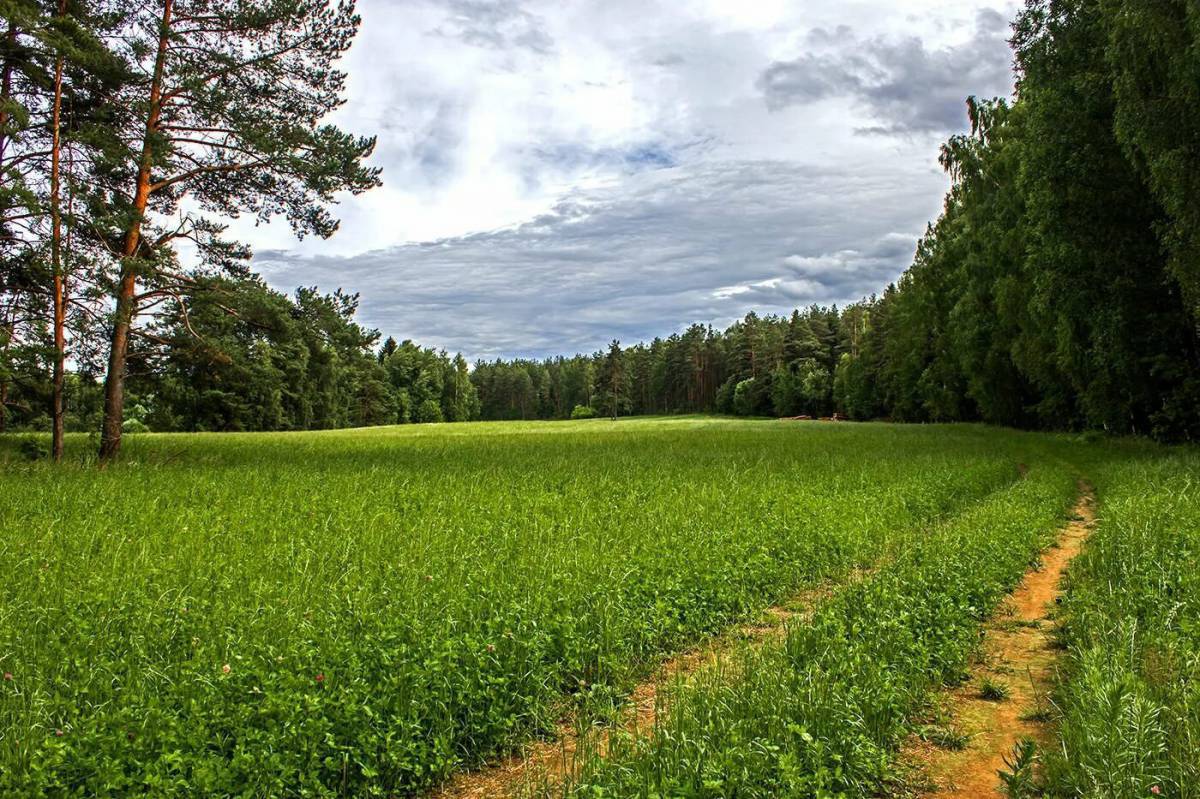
(1007,696)
(551,761)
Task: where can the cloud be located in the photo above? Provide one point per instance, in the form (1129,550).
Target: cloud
(495,24)
(560,174)
(642,257)
(905,86)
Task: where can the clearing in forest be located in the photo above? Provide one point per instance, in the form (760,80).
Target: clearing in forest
(381,612)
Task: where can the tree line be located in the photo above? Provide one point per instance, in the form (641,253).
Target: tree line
(1059,288)
(759,366)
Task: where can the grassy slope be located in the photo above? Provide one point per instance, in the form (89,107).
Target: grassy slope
(448,585)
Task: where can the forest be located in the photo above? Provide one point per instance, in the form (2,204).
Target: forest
(1059,289)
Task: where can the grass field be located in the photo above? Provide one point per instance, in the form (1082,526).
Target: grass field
(365,612)
(820,714)
(1130,700)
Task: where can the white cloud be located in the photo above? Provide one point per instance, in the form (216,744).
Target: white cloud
(557,174)
(639,257)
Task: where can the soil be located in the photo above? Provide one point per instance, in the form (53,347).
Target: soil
(1018,652)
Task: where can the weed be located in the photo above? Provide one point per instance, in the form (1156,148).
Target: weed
(1017,777)
(993,690)
(944,737)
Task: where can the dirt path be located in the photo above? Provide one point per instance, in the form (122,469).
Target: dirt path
(553,760)
(1018,655)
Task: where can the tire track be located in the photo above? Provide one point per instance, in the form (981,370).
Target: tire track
(1007,696)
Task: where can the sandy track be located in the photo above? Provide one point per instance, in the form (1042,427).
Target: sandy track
(551,761)
(1018,652)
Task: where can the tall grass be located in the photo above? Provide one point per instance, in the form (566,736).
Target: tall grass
(823,714)
(360,613)
(1130,696)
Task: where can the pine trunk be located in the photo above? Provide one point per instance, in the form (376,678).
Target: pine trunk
(114,382)
(60,341)
(5,92)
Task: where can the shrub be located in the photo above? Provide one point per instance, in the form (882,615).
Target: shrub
(724,401)
(429,411)
(744,399)
(583,412)
(34,449)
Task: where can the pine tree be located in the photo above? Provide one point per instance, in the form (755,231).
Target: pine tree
(57,74)
(612,380)
(227,113)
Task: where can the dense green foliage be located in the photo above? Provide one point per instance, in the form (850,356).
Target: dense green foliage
(364,613)
(368,611)
(394,604)
(283,363)
(237,356)
(1052,291)
(759,366)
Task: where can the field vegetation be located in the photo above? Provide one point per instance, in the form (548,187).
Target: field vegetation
(365,612)
(1057,289)
(823,713)
(1130,698)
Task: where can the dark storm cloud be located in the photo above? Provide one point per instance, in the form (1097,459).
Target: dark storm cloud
(645,257)
(905,86)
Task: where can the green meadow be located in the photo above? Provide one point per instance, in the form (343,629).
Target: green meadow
(366,612)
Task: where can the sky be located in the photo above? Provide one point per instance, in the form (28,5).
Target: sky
(560,174)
